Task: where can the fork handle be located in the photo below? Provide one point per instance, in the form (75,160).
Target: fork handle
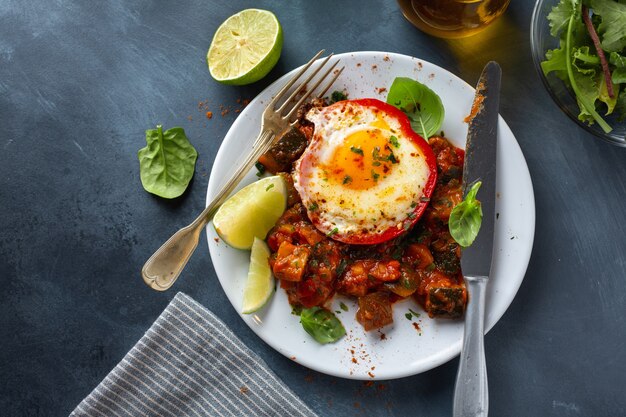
(471,394)
(165,265)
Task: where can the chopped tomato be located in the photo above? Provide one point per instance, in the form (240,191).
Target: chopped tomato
(291,261)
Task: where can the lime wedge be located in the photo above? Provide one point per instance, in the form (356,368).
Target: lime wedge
(260,285)
(245,47)
(251,212)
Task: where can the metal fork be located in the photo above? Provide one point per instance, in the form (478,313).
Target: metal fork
(166,264)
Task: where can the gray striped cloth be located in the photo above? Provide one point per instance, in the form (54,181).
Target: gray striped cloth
(190,364)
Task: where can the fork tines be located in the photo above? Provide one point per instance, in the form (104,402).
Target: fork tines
(302,91)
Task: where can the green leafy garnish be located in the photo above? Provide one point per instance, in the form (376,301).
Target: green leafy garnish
(590,57)
(338,96)
(358,151)
(466,218)
(167,163)
(322,324)
(343,306)
(421,104)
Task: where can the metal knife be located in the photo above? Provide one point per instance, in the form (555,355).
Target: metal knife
(471,395)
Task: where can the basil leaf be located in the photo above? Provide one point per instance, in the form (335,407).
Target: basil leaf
(466,218)
(322,324)
(167,163)
(421,104)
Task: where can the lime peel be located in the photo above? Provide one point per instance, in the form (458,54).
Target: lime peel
(261,284)
(251,212)
(245,47)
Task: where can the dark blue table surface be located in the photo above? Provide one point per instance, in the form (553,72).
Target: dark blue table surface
(81,81)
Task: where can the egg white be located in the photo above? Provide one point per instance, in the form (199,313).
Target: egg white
(345,213)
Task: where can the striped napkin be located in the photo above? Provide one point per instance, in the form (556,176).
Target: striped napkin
(190,364)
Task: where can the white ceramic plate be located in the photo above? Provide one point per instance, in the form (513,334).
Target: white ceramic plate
(400,349)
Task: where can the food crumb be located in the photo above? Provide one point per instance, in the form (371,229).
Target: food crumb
(354,360)
(368,383)
(381,90)
(386,58)
(358,64)
(417,327)
(244,390)
(189,118)
(371,375)
(383,336)
(216,239)
(374,67)
(209,114)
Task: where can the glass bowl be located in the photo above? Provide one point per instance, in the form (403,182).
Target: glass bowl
(540,42)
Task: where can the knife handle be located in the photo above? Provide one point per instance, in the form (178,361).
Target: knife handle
(471,394)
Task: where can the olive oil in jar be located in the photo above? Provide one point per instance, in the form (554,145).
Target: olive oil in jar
(452,18)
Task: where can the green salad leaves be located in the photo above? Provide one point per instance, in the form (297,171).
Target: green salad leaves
(421,104)
(466,218)
(167,163)
(591,58)
(322,324)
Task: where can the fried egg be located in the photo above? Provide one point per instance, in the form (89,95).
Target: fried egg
(365,176)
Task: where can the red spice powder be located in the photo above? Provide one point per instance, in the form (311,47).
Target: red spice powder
(476,105)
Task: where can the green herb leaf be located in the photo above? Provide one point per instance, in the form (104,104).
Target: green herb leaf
(357,150)
(394,141)
(619,72)
(560,14)
(338,96)
(612,28)
(167,163)
(261,168)
(322,324)
(343,306)
(343,264)
(421,104)
(466,218)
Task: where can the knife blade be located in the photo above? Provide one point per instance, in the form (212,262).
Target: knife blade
(480,165)
(471,393)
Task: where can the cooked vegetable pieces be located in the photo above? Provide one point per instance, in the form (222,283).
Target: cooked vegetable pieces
(167,163)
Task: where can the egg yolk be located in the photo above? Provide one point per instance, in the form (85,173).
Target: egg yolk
(364,158)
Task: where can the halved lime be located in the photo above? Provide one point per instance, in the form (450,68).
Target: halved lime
(245,47)
(260,285)
(251,212)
